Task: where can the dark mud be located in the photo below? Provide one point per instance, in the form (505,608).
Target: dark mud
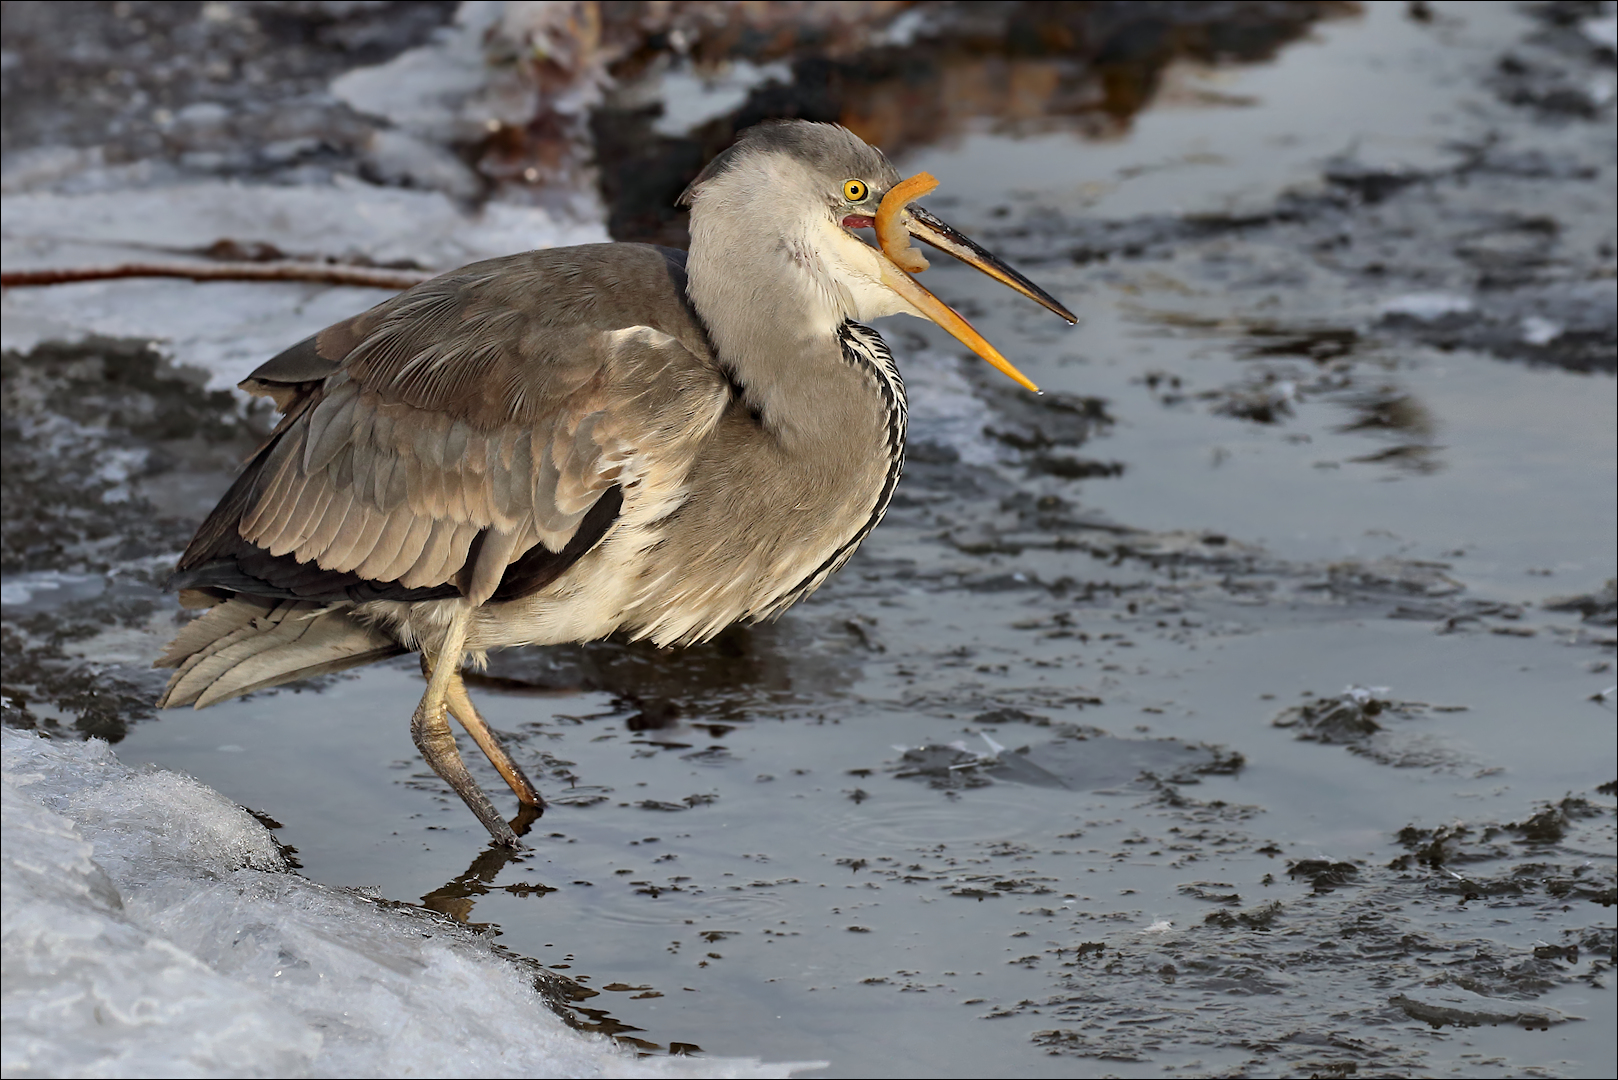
(111,455)
(1240,707)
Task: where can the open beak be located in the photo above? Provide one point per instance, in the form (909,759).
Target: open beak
(926,227)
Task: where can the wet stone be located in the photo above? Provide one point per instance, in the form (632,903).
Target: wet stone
(1323,874)
(1078,759)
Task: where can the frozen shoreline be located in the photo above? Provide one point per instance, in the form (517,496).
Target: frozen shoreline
(229,328)
(153,928)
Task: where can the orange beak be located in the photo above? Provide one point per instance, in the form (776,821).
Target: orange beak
(925,227)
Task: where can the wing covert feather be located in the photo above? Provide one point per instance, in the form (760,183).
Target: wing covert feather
(485,411)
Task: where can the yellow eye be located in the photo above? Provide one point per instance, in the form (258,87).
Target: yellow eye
(855,190)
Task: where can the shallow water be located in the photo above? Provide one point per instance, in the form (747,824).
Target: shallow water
(1248,488)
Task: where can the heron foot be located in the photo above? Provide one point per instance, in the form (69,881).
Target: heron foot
(461,707)
(429,726)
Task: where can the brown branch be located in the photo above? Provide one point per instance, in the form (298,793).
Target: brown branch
(327,273)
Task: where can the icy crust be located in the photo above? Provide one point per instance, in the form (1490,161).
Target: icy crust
(229,328)
(152,928)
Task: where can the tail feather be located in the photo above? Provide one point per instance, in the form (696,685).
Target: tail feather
(202,636)
(208,680)
(248,644)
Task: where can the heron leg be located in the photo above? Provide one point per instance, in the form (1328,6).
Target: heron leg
(429,726)
(460,704)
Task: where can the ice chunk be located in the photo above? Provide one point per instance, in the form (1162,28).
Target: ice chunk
(400,158)
(88,991)
(1601,30)
(151,927)
(1427,306)
(19,590)
(903,31)
(1536,330)
(425,90)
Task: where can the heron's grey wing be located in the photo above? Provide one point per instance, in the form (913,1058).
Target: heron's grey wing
(477,423)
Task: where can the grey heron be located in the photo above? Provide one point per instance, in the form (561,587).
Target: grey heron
(565,444)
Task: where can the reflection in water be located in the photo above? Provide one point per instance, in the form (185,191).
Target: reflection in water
(1318,343)
(456,898)
(1388,408)
(1295,363)
(745,671)
(566,996)
(1392,411)
(1019,67)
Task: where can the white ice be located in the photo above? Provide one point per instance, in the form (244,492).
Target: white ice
(1540,331)
(229,328)
(1427,306)
(691,99)
(1601,30)
(151,928)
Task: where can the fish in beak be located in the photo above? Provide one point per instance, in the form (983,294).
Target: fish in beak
(898,219)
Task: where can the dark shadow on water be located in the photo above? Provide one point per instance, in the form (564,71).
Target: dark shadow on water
(742,672)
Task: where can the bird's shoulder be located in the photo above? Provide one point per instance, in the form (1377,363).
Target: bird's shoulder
(509,340)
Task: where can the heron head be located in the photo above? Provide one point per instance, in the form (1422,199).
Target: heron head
(789,196)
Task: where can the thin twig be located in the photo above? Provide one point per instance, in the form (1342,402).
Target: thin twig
(327,273)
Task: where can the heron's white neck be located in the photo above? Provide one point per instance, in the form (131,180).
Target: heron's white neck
(774,277)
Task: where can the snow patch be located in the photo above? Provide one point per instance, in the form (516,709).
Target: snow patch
(17,590)
(428,90)
(1536,330)
(519,66)
(1427,306)
(902,32)
(1602,31)
(691,99)
(152,928)
(347,220)
(229,328)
